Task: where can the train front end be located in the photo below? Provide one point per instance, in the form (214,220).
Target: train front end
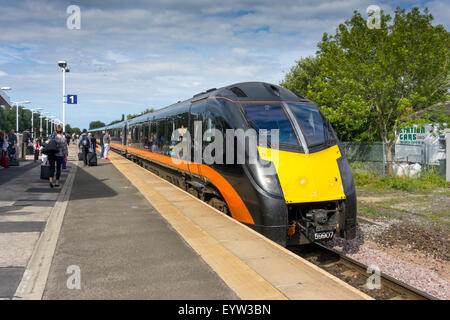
(307,192)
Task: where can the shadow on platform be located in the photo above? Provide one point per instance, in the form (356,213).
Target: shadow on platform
(6,175)
(87,186)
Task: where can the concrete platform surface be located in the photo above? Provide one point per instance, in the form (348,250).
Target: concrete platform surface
(26,202)
(123,248)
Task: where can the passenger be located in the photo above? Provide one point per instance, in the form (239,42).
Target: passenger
(44,156)
(102,151)
(106,141)
(37,147)
(155,144)
(12,144)
(56,159)
(3,144)
(67,138)
(84,145)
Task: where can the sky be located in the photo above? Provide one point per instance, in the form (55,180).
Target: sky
(131,55)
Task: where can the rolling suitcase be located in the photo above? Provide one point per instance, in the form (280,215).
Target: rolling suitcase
(4,162)
(92,159)
(80,156)
(45,172)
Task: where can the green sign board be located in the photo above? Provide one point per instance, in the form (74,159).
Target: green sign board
(412,135)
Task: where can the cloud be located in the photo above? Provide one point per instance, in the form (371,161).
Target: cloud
(132,54)
(2,73)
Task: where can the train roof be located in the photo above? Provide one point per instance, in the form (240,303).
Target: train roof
(244,91)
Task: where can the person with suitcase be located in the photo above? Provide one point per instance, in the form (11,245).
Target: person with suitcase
(56,158)
(84,145)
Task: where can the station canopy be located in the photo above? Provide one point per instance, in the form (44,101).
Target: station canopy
(4,100)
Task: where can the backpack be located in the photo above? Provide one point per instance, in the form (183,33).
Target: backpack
(50,148)
(85,141)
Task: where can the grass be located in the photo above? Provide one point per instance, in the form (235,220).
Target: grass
(425,181)
(370,211)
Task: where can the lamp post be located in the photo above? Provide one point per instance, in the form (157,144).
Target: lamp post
(46,115)
(32,119)
(63,65)
(17,112)
(52,123)
(40,127)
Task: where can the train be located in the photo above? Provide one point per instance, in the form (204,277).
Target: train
(306,195)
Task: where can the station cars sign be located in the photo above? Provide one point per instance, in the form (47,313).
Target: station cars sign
(412,135)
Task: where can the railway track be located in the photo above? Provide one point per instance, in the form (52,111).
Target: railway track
(355,274)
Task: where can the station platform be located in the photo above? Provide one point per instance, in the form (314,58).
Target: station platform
(133,235)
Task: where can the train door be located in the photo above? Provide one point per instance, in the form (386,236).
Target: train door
(196,117)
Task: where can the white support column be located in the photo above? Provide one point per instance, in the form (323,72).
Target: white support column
(32,124)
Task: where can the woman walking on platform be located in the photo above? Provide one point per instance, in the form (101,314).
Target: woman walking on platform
(56,158)
(37,147)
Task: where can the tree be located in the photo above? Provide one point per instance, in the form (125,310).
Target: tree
(131,116)
(301,77)
(372,81)
(114,122)
(96,124)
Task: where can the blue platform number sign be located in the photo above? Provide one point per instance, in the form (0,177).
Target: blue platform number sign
(71,99)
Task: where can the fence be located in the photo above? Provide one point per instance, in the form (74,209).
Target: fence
(406,158)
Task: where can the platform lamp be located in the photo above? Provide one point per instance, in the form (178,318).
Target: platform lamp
(46,122)
(40,125)
(16,103)
(63,65)
(36,110)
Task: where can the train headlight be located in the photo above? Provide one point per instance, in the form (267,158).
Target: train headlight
(266,177)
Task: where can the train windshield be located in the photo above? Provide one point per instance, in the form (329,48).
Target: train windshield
(315,128)
(270,116)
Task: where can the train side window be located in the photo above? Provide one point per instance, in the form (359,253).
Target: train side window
(153,135)
(136,134)
(196,114)
(160,135)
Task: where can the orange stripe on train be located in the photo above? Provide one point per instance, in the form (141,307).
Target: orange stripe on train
(237,207)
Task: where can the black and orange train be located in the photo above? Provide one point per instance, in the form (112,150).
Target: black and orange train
(310,195)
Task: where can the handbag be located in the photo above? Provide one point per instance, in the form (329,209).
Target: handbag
(50,148)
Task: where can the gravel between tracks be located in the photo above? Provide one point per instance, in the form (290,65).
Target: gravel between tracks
(410,253)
